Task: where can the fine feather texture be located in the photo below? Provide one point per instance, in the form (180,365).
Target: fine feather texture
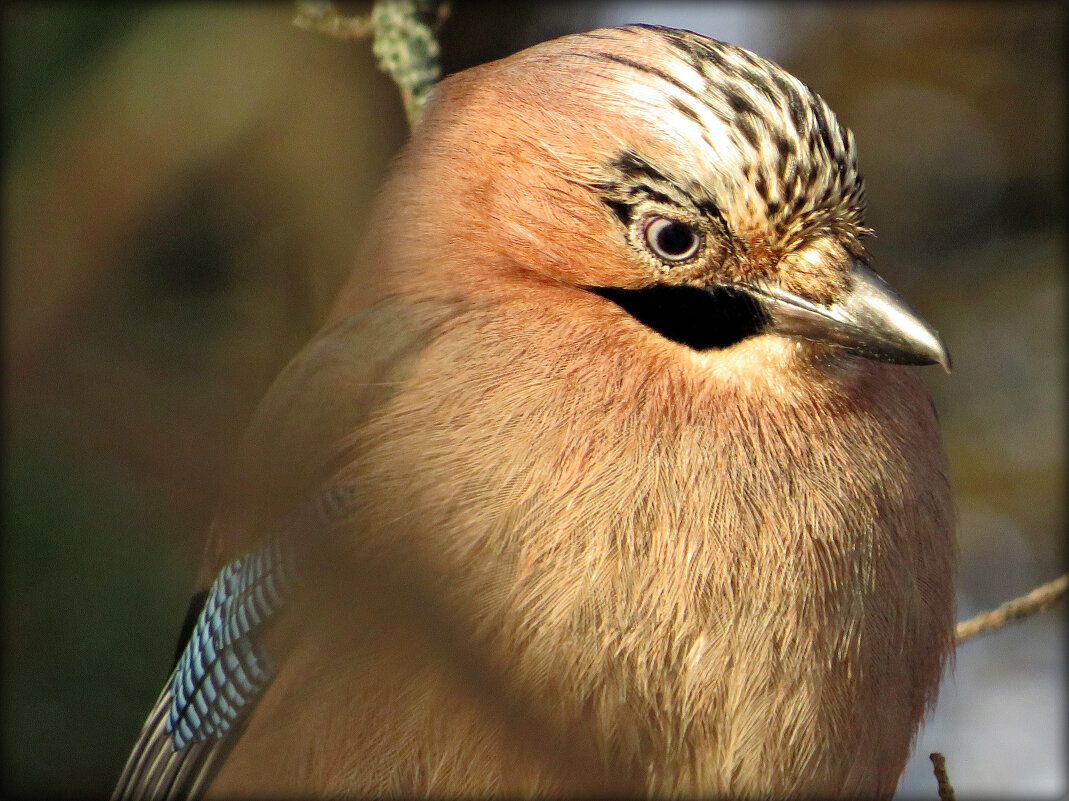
(583,557)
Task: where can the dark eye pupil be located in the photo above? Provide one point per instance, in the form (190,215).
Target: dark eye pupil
(671,240)
(675,239)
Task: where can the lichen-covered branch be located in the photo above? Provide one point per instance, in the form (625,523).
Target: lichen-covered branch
(1038,600)
(323,17)
(404,41)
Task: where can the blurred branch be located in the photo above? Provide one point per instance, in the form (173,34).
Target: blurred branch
(1038,600)
(404,41)
(939,765)
(323,17)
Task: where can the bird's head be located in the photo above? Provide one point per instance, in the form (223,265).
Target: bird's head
(701,188)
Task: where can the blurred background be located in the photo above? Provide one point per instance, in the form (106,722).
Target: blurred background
(184,189)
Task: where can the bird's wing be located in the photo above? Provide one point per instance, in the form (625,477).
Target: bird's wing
(200,710)
(223,666)
(153,766)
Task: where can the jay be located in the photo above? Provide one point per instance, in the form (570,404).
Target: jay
(610,472)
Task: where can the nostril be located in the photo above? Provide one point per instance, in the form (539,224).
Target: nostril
(700,318)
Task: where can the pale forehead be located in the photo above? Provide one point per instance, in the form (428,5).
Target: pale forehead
(740,125)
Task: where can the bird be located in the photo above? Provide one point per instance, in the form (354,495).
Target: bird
(609,473)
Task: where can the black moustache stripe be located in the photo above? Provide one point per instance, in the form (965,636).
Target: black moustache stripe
(698,317)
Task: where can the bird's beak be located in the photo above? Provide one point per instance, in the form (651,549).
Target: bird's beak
(870,320)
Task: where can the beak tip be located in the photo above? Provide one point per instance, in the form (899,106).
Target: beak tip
(931,343)
(929,349)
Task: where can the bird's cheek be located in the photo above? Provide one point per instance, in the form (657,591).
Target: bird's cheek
(580,256)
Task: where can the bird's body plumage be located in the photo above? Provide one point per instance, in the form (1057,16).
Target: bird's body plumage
(582,555)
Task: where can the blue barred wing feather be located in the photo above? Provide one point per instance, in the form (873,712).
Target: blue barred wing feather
(224,667)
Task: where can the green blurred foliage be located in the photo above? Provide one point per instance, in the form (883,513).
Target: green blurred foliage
(82,603)
(47,47)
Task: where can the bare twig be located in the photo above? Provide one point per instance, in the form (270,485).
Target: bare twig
(1041,598)
(939,764)
(404,41)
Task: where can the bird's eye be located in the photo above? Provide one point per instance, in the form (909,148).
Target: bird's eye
(671,240)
